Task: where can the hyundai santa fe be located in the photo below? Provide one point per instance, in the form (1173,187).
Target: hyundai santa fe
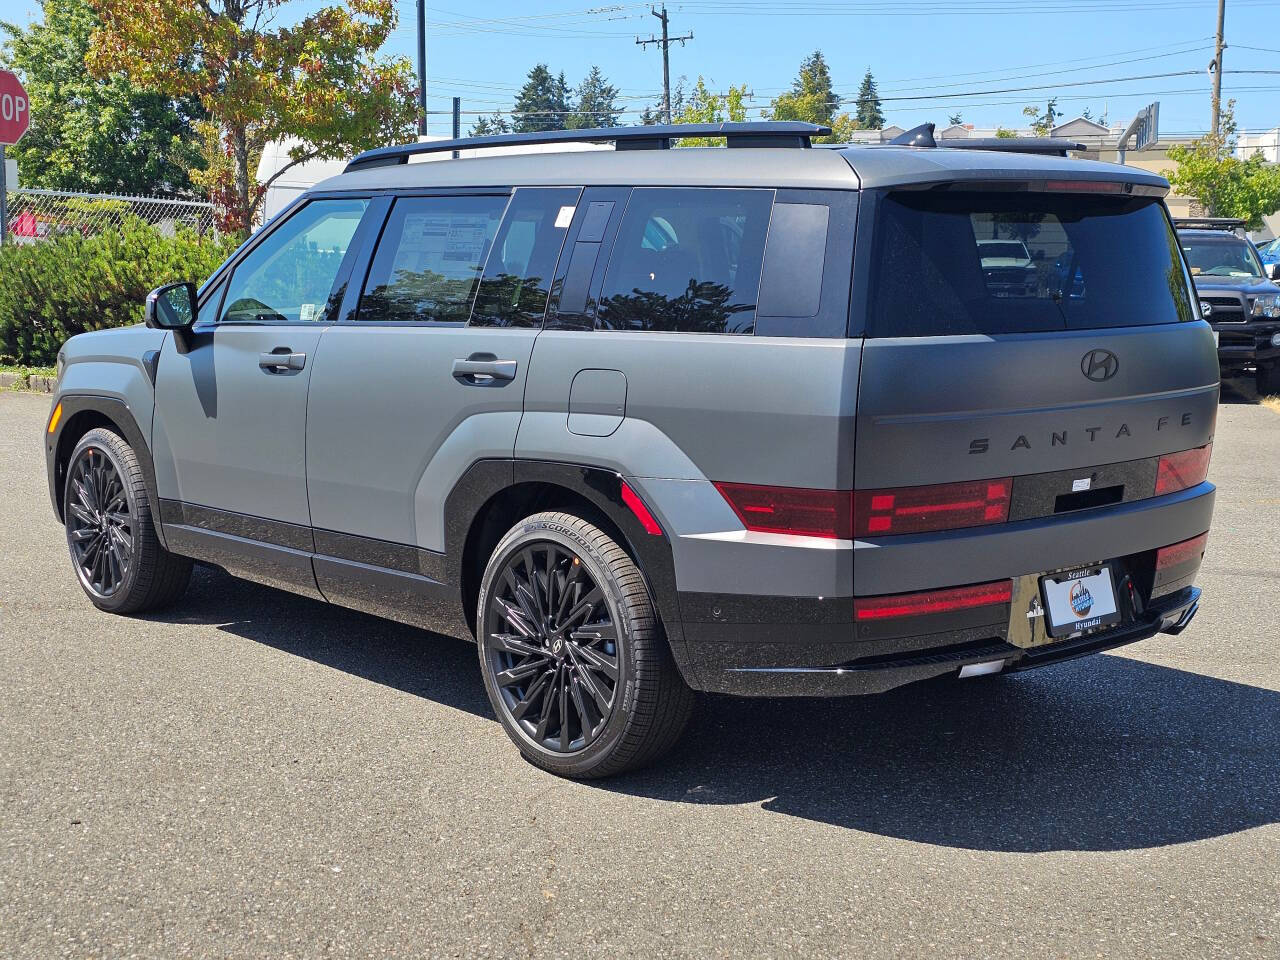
(752,419)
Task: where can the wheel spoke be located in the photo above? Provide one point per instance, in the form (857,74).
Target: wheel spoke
(533,587)
(548,705)
(594,690)
(564,711)
(599,661)
(595,633)
(584,607)
(535,689)
(516,618)
(585,721)
(516,645)
(519,673)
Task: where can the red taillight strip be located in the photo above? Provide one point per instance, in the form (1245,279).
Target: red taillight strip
(636,506)
(794,510)
(933,601)
(1176,554)
(1178,471)
(940,506)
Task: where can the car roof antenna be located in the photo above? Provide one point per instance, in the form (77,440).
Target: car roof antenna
(921,136)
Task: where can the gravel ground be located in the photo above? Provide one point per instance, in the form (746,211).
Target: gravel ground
(255,774)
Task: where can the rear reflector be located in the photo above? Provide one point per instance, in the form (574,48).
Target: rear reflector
(1176,554)
(794,510)
(1177,471)
(636,506)
(942,506)
(932,601)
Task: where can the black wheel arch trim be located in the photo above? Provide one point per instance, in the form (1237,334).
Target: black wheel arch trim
(602,488)
(60,442)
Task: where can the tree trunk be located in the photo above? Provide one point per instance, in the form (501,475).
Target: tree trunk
(240,156)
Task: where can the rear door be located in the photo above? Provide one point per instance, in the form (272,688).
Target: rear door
(425,375)
(1097,359)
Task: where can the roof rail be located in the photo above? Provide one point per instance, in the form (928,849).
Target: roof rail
(774,133)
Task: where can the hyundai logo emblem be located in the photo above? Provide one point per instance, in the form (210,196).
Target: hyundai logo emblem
(1099,365)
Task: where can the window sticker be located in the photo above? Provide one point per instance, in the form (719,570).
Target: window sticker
(307,312)
(564,217)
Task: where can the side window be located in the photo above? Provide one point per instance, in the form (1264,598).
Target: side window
(430,258)
(517,278)
(289,275)
(687,260)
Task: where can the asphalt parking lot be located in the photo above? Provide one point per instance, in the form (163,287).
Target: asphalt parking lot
(254,774)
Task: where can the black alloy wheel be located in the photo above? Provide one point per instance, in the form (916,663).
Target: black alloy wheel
(553,647)
(572,652)
(111,529)
(100,525)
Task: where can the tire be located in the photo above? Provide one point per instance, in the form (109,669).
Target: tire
(1267,379)
(577,668)
(105,503)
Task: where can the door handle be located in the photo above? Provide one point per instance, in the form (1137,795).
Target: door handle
(483,368)
(282,358)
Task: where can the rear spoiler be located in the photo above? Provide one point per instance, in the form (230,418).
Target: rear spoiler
(922,136)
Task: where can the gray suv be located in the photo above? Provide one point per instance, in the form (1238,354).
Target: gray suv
(645,421)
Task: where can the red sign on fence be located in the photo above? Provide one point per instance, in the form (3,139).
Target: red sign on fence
(15,109)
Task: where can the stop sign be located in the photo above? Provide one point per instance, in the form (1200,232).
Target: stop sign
(15,109)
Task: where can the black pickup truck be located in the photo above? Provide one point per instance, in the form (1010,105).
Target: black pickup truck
(1237,296)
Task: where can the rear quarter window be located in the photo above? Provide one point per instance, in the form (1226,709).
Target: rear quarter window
(958,262)
(687,260)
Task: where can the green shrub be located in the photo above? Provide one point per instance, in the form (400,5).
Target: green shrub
(53,289)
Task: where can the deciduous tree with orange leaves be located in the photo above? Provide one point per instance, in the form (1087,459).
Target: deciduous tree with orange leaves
(319,80)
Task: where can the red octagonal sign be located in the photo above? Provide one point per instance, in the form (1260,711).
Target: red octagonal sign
(15,109)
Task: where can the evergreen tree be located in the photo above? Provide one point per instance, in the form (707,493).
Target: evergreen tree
(485,126)
(870,116)
(811,97)
(542,103)
(597,103)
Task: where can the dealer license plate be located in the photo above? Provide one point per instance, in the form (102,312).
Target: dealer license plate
(1080,600)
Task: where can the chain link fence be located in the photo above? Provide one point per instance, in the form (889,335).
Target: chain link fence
(36,215)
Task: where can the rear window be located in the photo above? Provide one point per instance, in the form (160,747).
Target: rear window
(946,264)
(1221,258)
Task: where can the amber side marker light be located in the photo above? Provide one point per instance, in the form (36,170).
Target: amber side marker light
(53,420)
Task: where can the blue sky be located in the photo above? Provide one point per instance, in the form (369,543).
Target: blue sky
(915,48)
(932,58)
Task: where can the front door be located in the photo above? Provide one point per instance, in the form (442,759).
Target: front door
(231,400)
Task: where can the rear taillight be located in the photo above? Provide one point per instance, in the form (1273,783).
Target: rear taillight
(1177,471)
(932,601)
(1176,554)
(794,510)
(942,506)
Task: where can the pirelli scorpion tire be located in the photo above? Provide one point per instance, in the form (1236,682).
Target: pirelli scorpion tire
(111,529)
(572,651)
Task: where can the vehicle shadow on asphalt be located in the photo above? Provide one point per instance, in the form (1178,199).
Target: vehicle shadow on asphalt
(1239,390)
(1104,753)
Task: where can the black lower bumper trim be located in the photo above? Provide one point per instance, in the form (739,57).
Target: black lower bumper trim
(1170,614)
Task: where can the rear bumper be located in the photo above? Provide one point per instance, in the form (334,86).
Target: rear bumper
(811,646)
(723,663)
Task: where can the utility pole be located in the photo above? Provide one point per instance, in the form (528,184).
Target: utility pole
(422,66)
(665,43)
(1216,67)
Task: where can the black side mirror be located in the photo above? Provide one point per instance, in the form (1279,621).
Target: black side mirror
(1275,271)
(171,307)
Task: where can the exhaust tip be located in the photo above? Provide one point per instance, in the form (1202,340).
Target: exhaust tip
(981,669)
